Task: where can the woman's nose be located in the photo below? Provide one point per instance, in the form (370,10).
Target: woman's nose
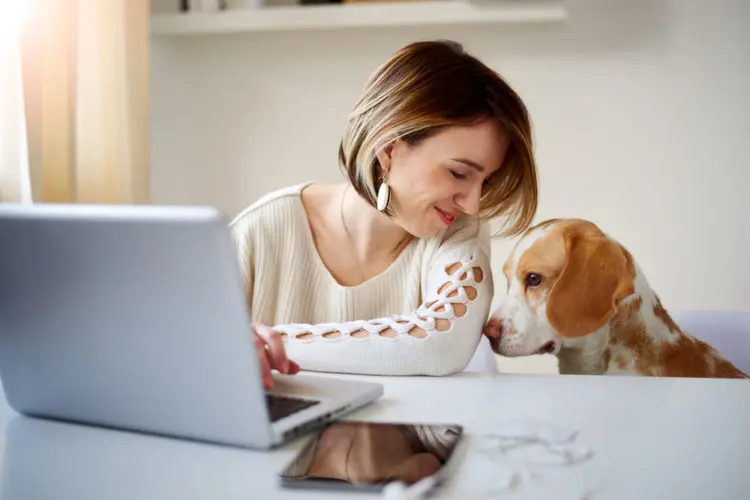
(469,200)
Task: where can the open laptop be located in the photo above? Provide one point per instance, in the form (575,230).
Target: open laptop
(134,317)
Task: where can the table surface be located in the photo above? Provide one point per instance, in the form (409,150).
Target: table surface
(650,437)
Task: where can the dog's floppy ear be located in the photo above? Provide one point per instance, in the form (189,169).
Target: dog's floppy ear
(597,274)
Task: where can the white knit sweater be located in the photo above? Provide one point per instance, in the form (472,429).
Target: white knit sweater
(290,289)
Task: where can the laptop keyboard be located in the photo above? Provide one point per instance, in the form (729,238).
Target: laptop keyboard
(282,406)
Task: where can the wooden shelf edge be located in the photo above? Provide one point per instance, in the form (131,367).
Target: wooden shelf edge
(359,15)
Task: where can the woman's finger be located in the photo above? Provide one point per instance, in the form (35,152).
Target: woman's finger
(278,358)
(265,366)
(293,367)
(265,369)
(278,353)
(270,339)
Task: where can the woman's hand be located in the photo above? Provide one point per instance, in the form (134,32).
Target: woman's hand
(271,354)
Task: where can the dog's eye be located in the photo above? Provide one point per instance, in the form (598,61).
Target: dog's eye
(533,280)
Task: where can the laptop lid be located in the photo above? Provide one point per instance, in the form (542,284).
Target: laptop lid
(128,316)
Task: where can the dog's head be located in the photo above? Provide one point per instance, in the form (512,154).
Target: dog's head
(565,280)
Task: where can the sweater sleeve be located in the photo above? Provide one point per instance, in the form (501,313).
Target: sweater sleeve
(438,338)
(243,243)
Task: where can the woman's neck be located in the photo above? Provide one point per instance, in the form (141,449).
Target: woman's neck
(372,234)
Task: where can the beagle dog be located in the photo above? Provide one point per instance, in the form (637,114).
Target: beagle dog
(576,293)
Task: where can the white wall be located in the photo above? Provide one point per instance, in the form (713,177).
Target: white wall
(640,108)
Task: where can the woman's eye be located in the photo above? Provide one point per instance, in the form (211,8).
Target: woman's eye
(533,280)
(458,175)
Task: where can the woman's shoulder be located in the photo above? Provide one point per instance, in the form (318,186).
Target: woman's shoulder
(272,205)
(467,232)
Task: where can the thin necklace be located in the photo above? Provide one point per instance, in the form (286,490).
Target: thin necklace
(349,236)
(396,251)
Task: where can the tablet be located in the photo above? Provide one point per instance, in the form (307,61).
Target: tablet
(367,456)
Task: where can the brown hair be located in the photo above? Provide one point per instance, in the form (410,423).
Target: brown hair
(429,85)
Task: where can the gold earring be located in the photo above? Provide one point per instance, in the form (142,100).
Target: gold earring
(384,195)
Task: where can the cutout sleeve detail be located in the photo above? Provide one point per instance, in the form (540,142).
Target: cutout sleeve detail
(438,338)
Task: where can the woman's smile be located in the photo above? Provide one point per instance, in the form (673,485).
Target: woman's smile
(446,217)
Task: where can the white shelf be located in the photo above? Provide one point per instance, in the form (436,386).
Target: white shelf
(359,15)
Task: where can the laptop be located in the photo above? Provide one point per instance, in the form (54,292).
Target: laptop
(134,317)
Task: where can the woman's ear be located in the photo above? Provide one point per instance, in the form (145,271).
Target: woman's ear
(385,157)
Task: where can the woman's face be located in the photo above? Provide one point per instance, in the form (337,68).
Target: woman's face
(441,177)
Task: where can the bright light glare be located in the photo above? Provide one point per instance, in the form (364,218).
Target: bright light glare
(14,14)
(14,160)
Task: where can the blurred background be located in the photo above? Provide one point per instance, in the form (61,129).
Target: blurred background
(640,107)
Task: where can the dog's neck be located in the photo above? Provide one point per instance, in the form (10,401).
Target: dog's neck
(584,356)
(627,343)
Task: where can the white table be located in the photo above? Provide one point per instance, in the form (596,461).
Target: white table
(652,439)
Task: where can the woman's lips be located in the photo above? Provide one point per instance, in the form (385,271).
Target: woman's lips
(446,217)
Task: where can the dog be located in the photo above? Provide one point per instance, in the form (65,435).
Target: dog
(578,294)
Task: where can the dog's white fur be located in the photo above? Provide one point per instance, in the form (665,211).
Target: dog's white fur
(524,329)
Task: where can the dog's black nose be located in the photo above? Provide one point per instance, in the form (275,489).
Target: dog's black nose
(548,347)
(493,328)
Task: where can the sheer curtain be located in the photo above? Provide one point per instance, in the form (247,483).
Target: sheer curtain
(14,162)
(74,100)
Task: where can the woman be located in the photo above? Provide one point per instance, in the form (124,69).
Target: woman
(389,272)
